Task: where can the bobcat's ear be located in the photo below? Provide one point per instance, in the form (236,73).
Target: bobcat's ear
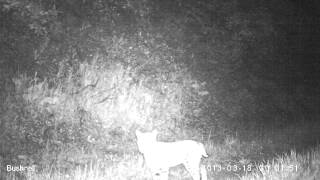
(138,133)
(155,132)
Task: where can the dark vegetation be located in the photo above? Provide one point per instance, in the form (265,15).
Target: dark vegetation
(77,77)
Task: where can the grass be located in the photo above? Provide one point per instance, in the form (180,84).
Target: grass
(291,166)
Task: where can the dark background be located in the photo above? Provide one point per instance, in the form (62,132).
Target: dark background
(260,59)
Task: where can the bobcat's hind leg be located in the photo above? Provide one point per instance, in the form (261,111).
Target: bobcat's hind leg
(203,172)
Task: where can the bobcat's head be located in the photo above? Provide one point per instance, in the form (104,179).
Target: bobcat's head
(146,140)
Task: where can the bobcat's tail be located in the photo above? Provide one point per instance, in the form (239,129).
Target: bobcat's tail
(203,150)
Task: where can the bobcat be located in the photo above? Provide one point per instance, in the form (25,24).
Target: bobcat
(160,156)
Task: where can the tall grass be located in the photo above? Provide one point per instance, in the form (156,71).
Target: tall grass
(291,166)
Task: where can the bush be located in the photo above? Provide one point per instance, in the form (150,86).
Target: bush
(90,108)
